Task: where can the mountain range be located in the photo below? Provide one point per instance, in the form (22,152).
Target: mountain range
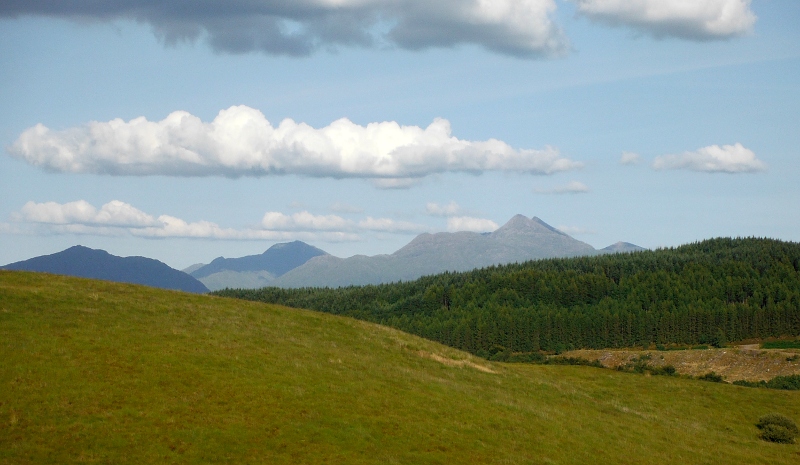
(520,239)
(297,264)
(254,271)
(98,264)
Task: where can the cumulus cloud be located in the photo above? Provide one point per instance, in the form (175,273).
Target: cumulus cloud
(434,209)
(390,225)
(114,213)
(726,159)
(303,221)
(686,19)
(301,27)
(116,217)
(119,218)
(629,158)
(468,223)
(573,187)
(241,142)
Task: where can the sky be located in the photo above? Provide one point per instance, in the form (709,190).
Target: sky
(188,130)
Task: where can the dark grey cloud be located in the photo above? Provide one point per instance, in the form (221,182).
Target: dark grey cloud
(301,27)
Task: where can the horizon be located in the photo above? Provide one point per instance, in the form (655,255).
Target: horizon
(184,134)
(436,232)
(298,240)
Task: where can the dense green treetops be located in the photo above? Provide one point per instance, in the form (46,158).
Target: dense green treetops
(708,292)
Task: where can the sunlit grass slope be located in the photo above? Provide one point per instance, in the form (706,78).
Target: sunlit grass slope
(97,372)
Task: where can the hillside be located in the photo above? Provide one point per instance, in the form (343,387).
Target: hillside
(518,240)
(709,292)
(113,373)
(98,264)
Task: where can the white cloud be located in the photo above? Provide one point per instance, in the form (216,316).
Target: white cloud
(686,19)
(726,159)
(114,213)
(390,225)
(629,158)
(434,209)
(304,221)
(241,142)
(467,223)
(118,218)
(573,187)
(301,27)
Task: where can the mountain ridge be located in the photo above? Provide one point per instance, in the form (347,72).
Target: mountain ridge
(276,260)
(254,270)
(85,262)
(519,239)
(622,247)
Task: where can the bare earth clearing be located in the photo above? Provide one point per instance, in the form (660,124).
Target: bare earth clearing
(747,362)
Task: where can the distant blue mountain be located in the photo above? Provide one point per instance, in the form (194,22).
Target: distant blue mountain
(98,264)
(520,239)
(277,260)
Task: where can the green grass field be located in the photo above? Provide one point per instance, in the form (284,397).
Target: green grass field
(96,372)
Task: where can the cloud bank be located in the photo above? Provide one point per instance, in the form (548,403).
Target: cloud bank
(686,19)
(713,159)
(305,221)
(114,213)
(241,142)
(301,27)
(120,218)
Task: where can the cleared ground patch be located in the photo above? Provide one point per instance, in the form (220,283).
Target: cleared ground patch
(97,372)
(733,363)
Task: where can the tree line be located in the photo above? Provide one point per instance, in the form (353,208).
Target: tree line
(707,292)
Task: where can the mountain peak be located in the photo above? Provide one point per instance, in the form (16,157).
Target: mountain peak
(276,260)
(622,247)
(98,264)
(518,240)
(522,224)
(83,250)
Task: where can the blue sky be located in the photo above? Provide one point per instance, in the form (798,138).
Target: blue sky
(657,123)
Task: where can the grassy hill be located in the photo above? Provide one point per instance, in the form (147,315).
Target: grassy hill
(98,372)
